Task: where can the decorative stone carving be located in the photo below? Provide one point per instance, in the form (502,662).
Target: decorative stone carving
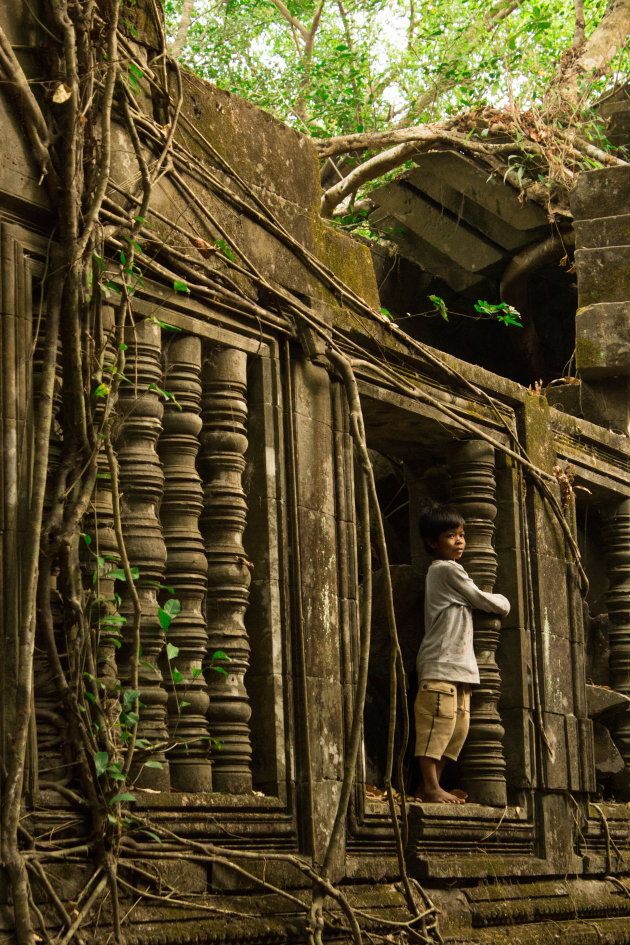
(616,535)
(473,492)
(186,569)
(141,485)
(224,441)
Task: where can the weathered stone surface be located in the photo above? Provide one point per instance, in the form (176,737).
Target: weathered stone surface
(608,760)
(472,181)
(445,234)
(462,189)
(603,274)
(603,231)
(602,339)
(566,397)
(600,193)
(607,403)
(605,702)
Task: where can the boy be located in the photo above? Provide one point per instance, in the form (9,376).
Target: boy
(446,660)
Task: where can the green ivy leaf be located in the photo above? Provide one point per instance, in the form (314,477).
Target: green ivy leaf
(440,306)
(171,651)
(121,798)
(129,697)
(101,759)
(220,655)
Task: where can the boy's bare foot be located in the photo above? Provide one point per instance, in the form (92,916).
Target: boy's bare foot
(438,796)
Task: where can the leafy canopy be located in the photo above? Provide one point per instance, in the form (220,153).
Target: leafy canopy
(344,66)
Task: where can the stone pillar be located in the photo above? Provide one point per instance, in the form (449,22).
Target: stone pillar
(617,549)
(473,493)
(141,486)
(186,569)
(224,442)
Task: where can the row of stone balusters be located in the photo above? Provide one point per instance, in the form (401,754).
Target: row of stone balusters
(616,535)
(185,535)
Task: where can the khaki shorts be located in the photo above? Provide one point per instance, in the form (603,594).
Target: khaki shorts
(442,713)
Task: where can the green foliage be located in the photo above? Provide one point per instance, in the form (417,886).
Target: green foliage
(504,313)
(383,59)
(440,306)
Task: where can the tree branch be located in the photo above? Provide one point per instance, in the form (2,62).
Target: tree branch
(182,30)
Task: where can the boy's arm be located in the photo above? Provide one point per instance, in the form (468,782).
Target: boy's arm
(464,585)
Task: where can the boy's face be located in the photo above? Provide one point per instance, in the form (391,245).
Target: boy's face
(450,544)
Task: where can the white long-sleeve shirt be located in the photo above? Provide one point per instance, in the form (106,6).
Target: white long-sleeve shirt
(446,651)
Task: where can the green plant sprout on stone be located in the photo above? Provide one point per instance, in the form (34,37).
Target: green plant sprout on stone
(499,311)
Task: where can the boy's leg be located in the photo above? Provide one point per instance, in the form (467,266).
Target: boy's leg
(431,791)
(435,713)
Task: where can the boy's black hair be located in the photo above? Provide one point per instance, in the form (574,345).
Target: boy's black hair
(437,519)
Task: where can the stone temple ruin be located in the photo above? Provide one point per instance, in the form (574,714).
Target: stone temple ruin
(243,500)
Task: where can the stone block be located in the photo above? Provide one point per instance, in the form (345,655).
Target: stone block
(603,275)
(514,662)
(537,429)
(607,403)
(320,610)
(603,231)
(519,748)
(350,261)
(602,339)
(315,470)
(311,391)
(441,231)
(470,180)
(267,730)
(551,576)
(325,706)
(555,674)
(555,760)
(607,757)
(605,703)
(566,397)
(282,161)
(600,193)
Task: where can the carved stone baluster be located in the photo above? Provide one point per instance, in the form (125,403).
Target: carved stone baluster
(224,441)
(141,484)
(482,763)
(186,569)
(616,535)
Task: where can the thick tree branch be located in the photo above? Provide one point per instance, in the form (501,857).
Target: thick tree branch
(593,58)
(182,30)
